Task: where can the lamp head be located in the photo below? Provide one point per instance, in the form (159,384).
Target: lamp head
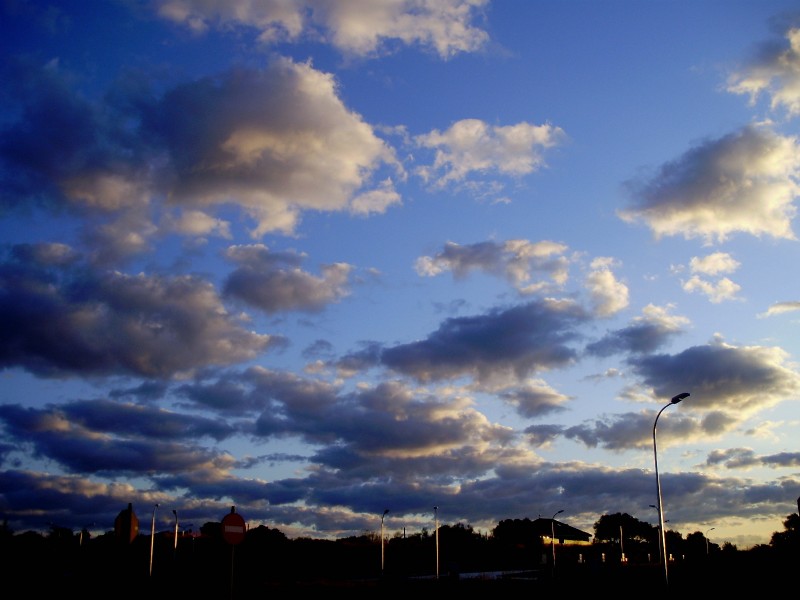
(679,397)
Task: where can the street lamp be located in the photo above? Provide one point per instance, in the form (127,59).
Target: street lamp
(553,537)
(712,529)
(385,512)
(436,530)
(86,530)
(175,543)
(674,400)
(658,532)
(152,537)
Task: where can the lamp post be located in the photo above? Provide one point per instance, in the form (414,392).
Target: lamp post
(175,542)
(86,530)
(663,538)
(152,537)
(712,529)
(658,532)
(385,512)
(553,537)
(436,530)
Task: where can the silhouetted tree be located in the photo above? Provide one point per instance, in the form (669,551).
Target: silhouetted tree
(788,541)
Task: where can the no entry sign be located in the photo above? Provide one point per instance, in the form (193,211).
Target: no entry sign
(233,528)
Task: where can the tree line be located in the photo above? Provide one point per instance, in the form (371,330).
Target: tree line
(203,560)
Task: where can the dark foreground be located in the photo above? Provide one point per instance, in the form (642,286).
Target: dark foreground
(626,581)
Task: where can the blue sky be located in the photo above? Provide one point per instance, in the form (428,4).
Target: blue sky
(319,259)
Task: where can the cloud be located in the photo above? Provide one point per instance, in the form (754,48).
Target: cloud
(198,223)
(645,333)
(514,260)
(728,385)
(511,342)
(775,71)
(743,458)
(274,142)
(263,281)
(737,380)
(66,321)
(471,145)
(744,182)
(608,295)
(109,438)
(719,291)
(779,308)
(714,264)
(534,398)
(361,29)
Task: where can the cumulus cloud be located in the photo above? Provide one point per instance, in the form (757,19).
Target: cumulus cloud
(745,182)
(357,28)
(744,458)
(512,342)
(514,260)
(534,398)
(737,380)
(717,291)
(68,321)
(780,308)
(608,295)
(775,72)
(272,281)
(471,145)
(111,438)
(273,142)
(645,334)
(714,264)
(198,223)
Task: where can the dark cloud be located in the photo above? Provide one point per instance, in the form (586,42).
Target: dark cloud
(518,341)
(738,380)
(65,322)
(88,438)
(263,281)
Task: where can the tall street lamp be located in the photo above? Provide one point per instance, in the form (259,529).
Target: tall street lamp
(658,532)
(712,529)
(436,530)
(383,516)
(175,542)
(553,537)
(86,530)
(674,400)
(152,537)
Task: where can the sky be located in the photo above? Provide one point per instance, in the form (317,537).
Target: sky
(317,259)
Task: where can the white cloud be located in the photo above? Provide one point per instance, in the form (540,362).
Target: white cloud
(779,308)
(471,145)
(776,72)
(745,182)
(358,27)
(714,264)
(607,293)
(719,291)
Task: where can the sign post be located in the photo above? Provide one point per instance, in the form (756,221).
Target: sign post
(233,530)
(233,527)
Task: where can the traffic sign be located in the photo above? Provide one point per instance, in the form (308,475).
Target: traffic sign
(233,527)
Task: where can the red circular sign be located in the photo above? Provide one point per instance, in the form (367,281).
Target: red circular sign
(233,528)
